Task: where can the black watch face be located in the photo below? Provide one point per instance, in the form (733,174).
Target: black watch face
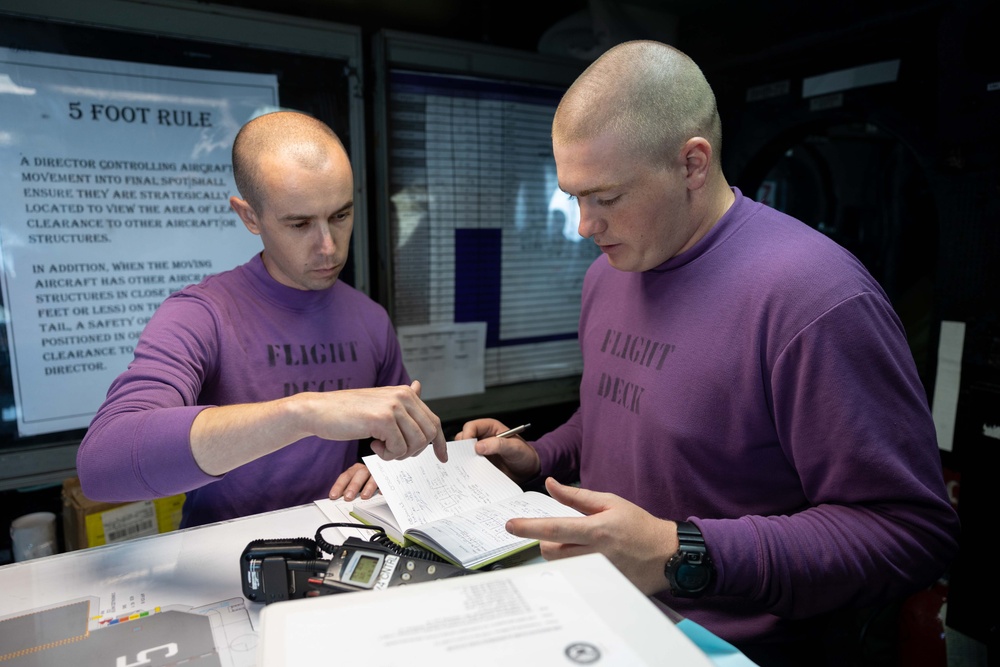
(692,578)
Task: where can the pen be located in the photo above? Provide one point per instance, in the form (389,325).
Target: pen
(513,431)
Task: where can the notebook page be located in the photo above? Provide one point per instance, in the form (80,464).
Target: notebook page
(421,488)
(480,536)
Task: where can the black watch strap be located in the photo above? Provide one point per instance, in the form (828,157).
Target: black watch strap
(690,570)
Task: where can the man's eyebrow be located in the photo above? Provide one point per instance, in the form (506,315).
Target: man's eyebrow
(305,216)
(590,191)
(295,216)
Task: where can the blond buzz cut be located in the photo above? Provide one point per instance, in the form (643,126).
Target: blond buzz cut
(650,95)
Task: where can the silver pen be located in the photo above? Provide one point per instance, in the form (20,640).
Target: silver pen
(513,431)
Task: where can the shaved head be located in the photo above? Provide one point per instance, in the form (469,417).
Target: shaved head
(296,136)
(649,95)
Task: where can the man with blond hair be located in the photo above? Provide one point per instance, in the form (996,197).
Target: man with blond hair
(753,443)
(249,391)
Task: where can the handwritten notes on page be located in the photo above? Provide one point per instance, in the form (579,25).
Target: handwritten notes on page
(422,489)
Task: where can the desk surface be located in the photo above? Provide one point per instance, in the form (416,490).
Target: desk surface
(133,588)
(195,570)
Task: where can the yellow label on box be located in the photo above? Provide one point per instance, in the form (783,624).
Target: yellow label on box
(147,517)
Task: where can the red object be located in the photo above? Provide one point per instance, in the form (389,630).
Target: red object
(921,628)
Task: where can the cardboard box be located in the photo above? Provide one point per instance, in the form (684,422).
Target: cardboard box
(87,523)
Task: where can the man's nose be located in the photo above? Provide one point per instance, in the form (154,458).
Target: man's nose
(591,222)
(327,243)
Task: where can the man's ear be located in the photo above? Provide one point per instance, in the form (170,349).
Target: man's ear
(246,213)
(697,156)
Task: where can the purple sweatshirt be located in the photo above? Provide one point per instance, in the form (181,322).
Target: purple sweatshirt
(237,337)
(760,384)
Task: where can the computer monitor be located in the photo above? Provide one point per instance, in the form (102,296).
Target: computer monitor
(472,225)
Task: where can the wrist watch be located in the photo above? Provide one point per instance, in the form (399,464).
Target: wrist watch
(690,570)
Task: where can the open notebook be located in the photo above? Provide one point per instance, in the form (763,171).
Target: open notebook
(456,509)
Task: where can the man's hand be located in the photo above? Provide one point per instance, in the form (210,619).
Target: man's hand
(512,455)
(635,541)
(400,424)
(356,481)
(225,437)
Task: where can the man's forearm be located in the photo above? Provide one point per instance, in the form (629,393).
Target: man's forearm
(401,425)
(224,438)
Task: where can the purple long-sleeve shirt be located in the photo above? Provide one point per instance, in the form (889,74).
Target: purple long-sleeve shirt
(761,385)
(237,337)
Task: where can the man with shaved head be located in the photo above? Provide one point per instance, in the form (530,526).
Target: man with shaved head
(753,443)
(249,391)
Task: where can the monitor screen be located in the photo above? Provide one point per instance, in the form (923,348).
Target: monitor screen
(481,231)
(477,232)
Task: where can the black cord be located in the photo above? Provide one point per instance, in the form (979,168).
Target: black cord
(330,548)
(379,538)
(385,541)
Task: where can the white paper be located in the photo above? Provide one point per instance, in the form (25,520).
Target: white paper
(446,358)
(546,614)
(947,382)
(459,508)
(421,489)
(115,187)
(480,535)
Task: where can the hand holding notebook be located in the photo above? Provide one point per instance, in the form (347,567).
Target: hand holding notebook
(456,509)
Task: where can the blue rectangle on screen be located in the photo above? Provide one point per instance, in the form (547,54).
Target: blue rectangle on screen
(477,279)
